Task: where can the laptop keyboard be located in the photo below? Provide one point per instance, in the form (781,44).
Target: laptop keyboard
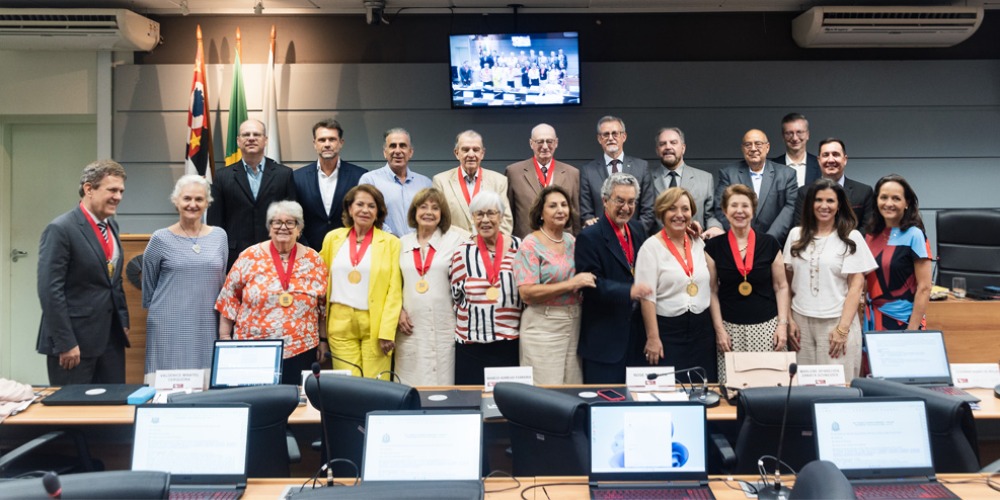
(205,495)
(947,389)
(886,491)
(652,493)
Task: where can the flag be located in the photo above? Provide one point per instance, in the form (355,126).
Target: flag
(273,150)
(237,108)
(198,156)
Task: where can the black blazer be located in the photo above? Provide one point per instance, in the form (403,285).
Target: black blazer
(318,221)
(81,305)
(607,309)
(812,168)
(235,209)
(859,194)
(592,177)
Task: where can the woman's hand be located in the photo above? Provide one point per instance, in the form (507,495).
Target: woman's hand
(584,280)
(838,344)
(723,342)
(640,291)
(323,352)
(405,325)
(794,337)
(653,350)
(780,337)
(386,345)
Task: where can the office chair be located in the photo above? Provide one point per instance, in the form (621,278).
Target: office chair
(549,430)
(819,480)
(758,414)
(270,407)
(27,457)
(954,442)
(105,485)
(968,242)
(346,403)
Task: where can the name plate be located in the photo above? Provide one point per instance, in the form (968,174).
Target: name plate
(517,374)
(636,378)
(820,375)
(975,375)
(180,380)
(309,373)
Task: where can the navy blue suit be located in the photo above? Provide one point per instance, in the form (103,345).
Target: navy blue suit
(611,327)
(318,220)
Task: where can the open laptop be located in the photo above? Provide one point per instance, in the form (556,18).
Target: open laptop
(91,394)
(913,358)
(242,363)
(882,445)
(203,447)
(656,447)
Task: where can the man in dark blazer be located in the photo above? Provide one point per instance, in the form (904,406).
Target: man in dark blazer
(321,185)
(523,183)
(774,184)
(611,135)
(833,159)
(241,192)
(795,132)
(84,328)
(611,331)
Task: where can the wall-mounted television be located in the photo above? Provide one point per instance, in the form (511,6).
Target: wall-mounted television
(515,69)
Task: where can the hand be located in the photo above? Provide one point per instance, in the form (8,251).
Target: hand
(70,359)
(780,337)
(584,280)
(723,342)
(405,325)
(838,344)
(591,222)
(694,230)
(323,352)
(126,331)
(794,337)
(640,291)
(653,350)
(386,345)
(712,232)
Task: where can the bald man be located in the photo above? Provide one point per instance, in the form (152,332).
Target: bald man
(525,179)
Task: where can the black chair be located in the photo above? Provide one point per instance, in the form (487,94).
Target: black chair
(758,413)
(954,442)
(819,480)
(29,457)
(270,405)
(968,242)
(104,485)
(346,403)
(549,430)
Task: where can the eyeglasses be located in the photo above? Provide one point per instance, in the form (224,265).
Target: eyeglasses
(544,142)
(488,214)
(247,135)
(620,202)
(793,133)
(755,144)
(289,224)
(614,133)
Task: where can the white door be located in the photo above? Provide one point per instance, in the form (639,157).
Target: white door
(46,161)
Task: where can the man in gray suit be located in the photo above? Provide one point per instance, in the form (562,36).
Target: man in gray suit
(833,161)
(775,184)
(673,172)
(84,330)
(611,135)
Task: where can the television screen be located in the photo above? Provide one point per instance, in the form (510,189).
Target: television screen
(515,69)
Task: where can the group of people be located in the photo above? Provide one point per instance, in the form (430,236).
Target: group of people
(577,273)
(496,71)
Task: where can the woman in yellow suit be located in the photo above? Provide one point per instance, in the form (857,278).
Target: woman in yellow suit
(366,287)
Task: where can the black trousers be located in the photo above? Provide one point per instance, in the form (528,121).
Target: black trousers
(108,368)
(689,341)
(470,359)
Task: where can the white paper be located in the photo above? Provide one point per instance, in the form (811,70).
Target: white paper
(173,380)
(518,374)
(820,375)
(636,378)
(975,375)
(672,396)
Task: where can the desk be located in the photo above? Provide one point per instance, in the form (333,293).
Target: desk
(971,331)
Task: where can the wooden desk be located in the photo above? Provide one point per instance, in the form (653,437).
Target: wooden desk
(971,328)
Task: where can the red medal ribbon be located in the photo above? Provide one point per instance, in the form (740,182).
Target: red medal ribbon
(743,266)
(107,245)
(284,273)
(465,187)
(625,240)
(544,180)
(687,267)
(492,266)
(356,253)
(423,267)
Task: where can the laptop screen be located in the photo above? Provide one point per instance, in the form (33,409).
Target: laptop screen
(417,445)
(874,437)
(911,357)
(239,363)
(647,441)
(203,440)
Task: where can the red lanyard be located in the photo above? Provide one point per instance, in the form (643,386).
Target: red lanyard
(284,273)
(356,253)
(688,267)
(743,266)
(423,267)
(624,239)
(106,244)
(492,265)
(465,187)
(546,179)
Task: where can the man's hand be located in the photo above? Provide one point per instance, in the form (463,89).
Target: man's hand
(712,232)
(70,359)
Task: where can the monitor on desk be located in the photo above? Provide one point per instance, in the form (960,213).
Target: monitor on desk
(242,363)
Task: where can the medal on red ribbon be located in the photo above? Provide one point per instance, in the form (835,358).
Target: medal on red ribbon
(544,179)
(625,240)
(284,273)
(743,265)
(465,187)
(358,253)
(422,267)
(492,265)
(687,263)
(107,245)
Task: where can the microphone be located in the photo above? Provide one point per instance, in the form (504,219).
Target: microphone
(346,362)
(52,485)
(779,491)
(322,423)
(703,396)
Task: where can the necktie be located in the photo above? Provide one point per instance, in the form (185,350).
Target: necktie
(545,171)
(104,230)
(673,179)
(614,166)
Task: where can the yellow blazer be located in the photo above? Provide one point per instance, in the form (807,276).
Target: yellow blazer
(385,285)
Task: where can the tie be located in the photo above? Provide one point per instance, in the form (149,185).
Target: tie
(614,166)
(545,171)
(673,179)
(104,230)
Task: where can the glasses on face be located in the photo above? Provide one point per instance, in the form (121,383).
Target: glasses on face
(247,135)
(288,224)
(793,133)
(544,142)
(485,214)
(755,144)
(620,202)
(614,133)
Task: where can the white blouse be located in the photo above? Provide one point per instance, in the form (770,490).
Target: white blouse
(656,267)
(819,274)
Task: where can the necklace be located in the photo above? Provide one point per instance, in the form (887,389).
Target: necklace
(195,247)
(814,256)
(553,240)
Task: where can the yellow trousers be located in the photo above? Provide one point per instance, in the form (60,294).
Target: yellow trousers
(349,334)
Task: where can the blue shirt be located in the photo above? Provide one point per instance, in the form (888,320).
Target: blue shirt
(398,196)
(254,178)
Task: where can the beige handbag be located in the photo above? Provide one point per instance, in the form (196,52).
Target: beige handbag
(756,369)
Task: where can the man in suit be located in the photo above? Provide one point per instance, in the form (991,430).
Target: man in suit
(460,185)
(611,135)
(774,184)
(795,132)
(320,186)
(84,328)
(608,249)
(241,192)
(673,172)
(527,178)
(398,184)
(833,160)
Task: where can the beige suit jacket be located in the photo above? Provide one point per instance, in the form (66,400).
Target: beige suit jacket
(523,187)
(448,183)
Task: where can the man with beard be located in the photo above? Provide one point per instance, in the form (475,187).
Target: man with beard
(673,172)
(611,135)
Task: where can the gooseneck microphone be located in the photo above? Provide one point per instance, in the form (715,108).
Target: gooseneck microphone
(322,423)
(779,491)
(342,360)
(52,485)
(703,396)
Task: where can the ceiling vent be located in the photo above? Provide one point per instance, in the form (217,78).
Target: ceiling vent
(77,29)
(858,27)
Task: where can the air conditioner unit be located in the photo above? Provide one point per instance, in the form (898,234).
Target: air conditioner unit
(856,27)
(77,29)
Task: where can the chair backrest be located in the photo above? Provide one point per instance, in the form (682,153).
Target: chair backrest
(346,402)
(968,242)
(270,407)
(548,430)
(105,485)
(820,480)
(954,441)
(759,411)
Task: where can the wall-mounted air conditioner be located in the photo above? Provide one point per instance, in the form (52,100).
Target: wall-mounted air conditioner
(77,29)
(856,27)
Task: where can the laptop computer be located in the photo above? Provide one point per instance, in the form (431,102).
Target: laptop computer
(882,445)
(203,447)
(91,394)
(659,448)
(913,358)
(242,363)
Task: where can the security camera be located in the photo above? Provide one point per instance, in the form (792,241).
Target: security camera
(373,11)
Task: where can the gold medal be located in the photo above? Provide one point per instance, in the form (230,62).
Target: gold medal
(285,299)
(745,288)
(354,277)
(492,293)
(422,286)
(692,289)
(111,269)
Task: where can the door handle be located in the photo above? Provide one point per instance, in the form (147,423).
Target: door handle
(16,254)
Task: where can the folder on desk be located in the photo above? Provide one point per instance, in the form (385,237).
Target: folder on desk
(92,394)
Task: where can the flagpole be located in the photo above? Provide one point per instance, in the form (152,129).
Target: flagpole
(210,170)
